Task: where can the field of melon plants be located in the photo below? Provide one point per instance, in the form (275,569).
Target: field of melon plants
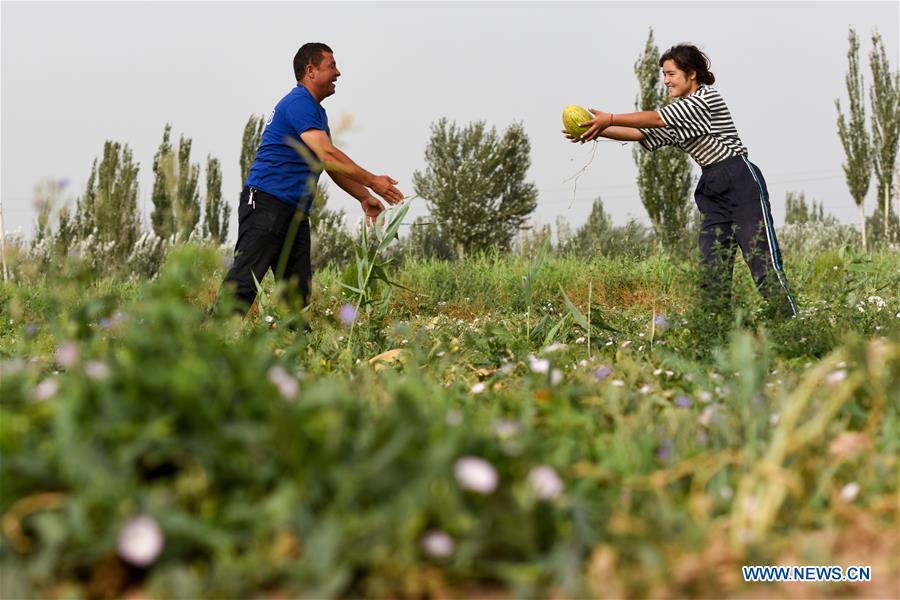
(502,426)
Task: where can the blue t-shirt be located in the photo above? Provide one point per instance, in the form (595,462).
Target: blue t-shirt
(279,169)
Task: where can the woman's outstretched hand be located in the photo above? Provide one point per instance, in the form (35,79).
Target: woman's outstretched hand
(601,121)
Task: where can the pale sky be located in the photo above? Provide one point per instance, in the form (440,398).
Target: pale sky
(75,74)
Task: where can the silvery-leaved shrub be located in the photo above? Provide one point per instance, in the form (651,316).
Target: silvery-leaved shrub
(816,236)
(147,256)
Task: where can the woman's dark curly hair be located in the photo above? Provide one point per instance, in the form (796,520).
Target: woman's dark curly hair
(688,57)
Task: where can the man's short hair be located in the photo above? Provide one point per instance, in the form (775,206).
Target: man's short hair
(309,54)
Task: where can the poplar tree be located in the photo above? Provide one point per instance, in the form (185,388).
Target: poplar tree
(176,194)
(108,210)
(253,131)
(664,177)
(163,196)
(854,137)
(475,184)
(884,94)
(798,212)
(216,212)
(187,197)
(588,236)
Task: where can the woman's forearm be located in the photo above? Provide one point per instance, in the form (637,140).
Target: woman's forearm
(622,134)
(646,118)
(619,123)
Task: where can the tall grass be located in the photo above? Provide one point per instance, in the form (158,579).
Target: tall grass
(274,466)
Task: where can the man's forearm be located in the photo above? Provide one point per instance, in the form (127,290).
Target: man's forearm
(336,162)
(354,188)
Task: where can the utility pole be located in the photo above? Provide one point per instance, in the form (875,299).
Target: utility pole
(3,246)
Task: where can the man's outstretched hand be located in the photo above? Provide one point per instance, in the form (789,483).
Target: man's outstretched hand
(384,187)
(372,207)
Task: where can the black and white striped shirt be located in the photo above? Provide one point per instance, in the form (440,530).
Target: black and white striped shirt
(699,124)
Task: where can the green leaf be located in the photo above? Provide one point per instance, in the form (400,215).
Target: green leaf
(551,335)
(351,288)
(599,322)
(862,268)
(395,218)
(379,228)
(260,292)
(576,314)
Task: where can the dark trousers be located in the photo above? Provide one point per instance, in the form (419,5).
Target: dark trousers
(734,201)
(271,235)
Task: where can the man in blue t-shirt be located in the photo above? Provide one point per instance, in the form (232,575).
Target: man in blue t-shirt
(273,223)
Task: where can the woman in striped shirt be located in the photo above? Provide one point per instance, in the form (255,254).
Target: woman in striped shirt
(731,194)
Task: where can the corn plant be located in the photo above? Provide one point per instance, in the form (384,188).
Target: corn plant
(370,263)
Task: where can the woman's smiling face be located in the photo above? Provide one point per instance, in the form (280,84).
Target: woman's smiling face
(679,83)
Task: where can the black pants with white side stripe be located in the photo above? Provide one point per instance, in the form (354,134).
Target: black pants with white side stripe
(269,231)
(734,201)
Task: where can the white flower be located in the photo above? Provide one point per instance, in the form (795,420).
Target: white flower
(505,428)
(849,492)
(285,383)
(836,376)
(270,319)
(618,382)
(545,482)
(706,416)
(645,389)
(478,388)
(877,301)
(475,474)
(96,370)
(657,372)
(773,420)
(704,396)
(580,340)
(539,365)
(554,347)
(46,390)
(67,355)
(556,377)
(140,541)
(437,544)
(440,354)
(626,343)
